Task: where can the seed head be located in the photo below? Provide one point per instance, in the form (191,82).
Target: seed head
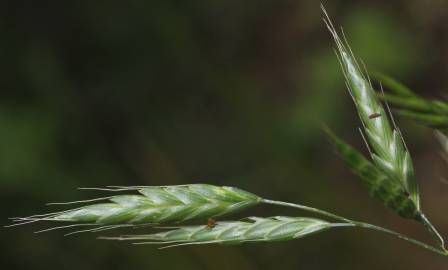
(159,205)
(254,229)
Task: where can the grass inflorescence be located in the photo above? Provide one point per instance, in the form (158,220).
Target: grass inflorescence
(383,139)
(387,147)
(253,229)
(389,176)
(156,205)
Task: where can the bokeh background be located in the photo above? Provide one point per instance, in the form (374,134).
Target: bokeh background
(162,92)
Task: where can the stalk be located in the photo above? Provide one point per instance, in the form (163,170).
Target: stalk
(359,224)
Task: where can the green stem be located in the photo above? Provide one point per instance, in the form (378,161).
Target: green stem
(433,231)
(307,208)
(359,224)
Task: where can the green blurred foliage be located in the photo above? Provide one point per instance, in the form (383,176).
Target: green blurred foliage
(221,92)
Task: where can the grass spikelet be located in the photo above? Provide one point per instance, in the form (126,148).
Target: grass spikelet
(386,144)
(388,150)
(254,229)
(377,183)
(157,205)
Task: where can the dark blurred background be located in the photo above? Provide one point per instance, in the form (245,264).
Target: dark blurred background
(97,93)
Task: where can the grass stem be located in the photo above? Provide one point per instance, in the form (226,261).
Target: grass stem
(359,224)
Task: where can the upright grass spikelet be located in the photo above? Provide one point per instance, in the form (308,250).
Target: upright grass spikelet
(386,145)
(157,205)
(388,150)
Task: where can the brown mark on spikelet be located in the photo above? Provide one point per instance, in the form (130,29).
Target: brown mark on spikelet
(211,223)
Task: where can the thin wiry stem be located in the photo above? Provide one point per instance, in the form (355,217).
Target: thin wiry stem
(307,208)
(433,231)
(359,224)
